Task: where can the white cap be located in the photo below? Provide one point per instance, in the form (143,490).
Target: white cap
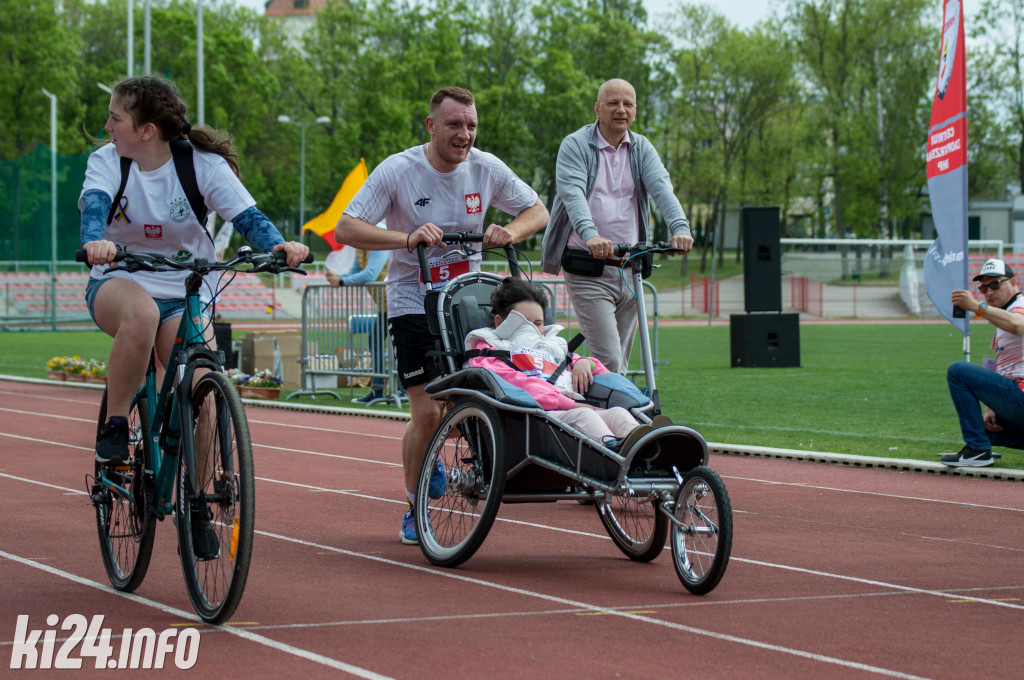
(994,267)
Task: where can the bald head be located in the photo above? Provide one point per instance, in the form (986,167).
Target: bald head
(615,109)
(615,85)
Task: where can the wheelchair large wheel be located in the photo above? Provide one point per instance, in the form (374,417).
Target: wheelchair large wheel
(636,524)
(702,539)
(469,444)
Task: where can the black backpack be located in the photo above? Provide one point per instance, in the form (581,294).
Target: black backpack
(181,152)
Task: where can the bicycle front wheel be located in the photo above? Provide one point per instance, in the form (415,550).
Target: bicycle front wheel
(126,527)
(215,506)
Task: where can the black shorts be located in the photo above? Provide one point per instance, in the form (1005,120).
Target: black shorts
(412,340)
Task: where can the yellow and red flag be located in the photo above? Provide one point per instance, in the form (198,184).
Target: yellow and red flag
(323,224)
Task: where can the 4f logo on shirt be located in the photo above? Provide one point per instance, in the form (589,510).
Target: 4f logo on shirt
(422,202)
(154,231)
(472,204)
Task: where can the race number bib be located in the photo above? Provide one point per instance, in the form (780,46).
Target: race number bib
(538,363)
(445,268)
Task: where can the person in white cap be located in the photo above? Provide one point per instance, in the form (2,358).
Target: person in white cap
(1000,392)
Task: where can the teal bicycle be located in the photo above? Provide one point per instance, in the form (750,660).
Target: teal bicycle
(190,456)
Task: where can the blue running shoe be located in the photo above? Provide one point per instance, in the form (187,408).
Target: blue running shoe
(408,534)
(438,482)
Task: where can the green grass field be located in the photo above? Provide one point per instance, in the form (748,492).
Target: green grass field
(865,389)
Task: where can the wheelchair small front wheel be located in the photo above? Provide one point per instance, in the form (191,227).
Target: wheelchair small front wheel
(461,483)
(702,532)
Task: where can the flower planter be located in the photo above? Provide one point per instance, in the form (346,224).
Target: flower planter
(55,375)
(259,392)
(98,379)
(76,377)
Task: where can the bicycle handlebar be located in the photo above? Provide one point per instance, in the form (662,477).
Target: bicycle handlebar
(273,262)
(638,248)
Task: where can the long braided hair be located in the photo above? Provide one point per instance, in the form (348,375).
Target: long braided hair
(156,100)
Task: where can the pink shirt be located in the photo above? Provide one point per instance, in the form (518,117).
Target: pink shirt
(613,200)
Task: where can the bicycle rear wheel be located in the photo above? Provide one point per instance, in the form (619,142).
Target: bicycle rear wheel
(126,527)
(215,523)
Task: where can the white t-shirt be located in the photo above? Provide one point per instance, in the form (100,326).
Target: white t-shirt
(154,215)
(1010,348)
(407,191)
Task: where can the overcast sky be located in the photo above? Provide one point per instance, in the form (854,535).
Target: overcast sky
(743,13)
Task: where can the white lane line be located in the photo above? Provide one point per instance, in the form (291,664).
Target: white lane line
(43,397)
(585,606)
(394,464)
(37,440)
(572,603)
(326,455)
(39,414)
(759,563)
(191,616)
(326,430)
(804,485)
(840,577)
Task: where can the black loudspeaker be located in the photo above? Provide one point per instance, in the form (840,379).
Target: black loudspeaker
(762,262)
(765,340)
(222,333)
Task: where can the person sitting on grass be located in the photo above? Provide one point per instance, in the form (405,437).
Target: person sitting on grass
(521,350)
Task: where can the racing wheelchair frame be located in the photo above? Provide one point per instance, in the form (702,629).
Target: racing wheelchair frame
(497,445)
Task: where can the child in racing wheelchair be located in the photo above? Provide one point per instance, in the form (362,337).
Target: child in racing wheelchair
(520,349)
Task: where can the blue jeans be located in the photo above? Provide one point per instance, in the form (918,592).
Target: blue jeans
(969,384)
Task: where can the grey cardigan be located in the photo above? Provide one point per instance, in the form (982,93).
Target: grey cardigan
(575,174)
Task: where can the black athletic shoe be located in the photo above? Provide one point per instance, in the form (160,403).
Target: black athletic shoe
(968,457)
(205,545)
(112,444)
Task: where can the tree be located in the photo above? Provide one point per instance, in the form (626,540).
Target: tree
(729,86)
(997,82)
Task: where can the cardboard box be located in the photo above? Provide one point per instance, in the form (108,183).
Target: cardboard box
(348,360)
(261,349)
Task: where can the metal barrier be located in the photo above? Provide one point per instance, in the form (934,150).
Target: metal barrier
(344,335)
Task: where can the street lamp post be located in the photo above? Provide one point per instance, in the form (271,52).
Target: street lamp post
(302,163)
(53,208)
(131,34)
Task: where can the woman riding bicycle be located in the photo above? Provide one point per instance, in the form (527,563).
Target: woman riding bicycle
(153,214)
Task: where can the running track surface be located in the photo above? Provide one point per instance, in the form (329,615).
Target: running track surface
(836,572)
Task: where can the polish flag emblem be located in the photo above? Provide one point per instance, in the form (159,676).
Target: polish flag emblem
(472,204)
(154,231)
